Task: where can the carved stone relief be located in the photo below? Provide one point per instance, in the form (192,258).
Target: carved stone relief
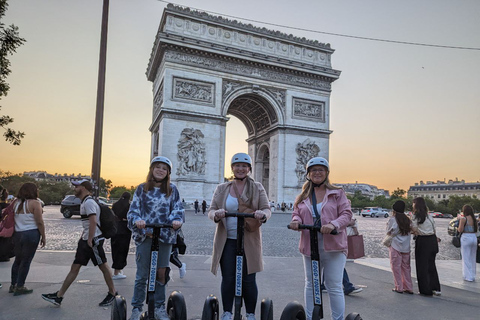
(198,91)
(228,87)
(305,151)
(308,109)
(191,152)
(243,69)
(158,101)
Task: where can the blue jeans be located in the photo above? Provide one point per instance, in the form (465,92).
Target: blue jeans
(26,243)
(143,267)
(249,284)
(348,287)
(332,264)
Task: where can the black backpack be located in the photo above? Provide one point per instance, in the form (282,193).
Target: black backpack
(108,221)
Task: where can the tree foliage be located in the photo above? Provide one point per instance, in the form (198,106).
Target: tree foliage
(10,40)
(116,192)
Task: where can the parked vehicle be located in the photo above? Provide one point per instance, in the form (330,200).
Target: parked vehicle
(70,205)
(453,224)
(436,214)
(375,212)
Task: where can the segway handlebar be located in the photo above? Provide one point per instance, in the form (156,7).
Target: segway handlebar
(312,227)
(241,215)
(158,225)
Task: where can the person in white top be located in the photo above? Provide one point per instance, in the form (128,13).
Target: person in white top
(400,226)
(90,246)
(29,232)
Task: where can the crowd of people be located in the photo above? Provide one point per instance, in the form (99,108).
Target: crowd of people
(157,201)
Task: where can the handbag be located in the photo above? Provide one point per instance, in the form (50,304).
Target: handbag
(356,247)
(457,243)
(182,247)
(7,223)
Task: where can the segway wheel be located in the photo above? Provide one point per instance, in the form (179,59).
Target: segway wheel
(317,313)
(266,310)
(353,316)
(119,308)
(210,308)
(176,308)
(293,311)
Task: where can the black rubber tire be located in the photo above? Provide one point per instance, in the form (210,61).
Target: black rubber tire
(210,308)
(386,215)
(293,311)
(67,213)
(372,215)
(316,313)
(176,308)
(266,309)
(119,308)
(353,316)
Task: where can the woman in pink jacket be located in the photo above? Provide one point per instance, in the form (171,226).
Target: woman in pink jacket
(333,212)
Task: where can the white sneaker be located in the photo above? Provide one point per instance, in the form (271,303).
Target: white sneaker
(250,316)
(183,270)
(437,293)
(226,316)
(118,276)
(161,313)
(136,313)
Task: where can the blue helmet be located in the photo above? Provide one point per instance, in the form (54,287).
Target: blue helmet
(162,160)
(241,158)
(317,161)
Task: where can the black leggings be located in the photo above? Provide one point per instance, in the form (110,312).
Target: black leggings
(249,284)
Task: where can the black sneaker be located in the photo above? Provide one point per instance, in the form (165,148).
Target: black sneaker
(108,300)
(53,298)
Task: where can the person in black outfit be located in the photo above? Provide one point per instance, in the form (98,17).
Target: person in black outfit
(121,240)
(204,206)
(196,206)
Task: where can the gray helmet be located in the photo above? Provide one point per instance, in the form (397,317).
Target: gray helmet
(162,160)
(318,161)
(241,158)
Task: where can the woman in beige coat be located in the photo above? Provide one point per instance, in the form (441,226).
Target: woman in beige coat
(245,195)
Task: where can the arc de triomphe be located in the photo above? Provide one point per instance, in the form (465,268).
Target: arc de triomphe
(204,68)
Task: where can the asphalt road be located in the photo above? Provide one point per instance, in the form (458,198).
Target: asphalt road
(278,241)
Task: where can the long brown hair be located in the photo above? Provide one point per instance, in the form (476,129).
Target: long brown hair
(420,209)
(308,186)
(150,182)
(404,223)
(468,211)
(27,191)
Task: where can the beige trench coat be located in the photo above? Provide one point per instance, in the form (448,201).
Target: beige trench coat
(252,240)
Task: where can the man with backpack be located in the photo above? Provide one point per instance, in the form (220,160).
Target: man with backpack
(90,246)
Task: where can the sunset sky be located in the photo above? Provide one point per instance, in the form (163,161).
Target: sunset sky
(399,113)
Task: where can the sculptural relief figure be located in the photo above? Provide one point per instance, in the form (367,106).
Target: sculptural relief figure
(191,152)
(305,151)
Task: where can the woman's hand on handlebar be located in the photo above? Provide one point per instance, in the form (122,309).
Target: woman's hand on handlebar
(219,214)
(294,225)
(328,228)
(140,224)
(176,224)
(259,215)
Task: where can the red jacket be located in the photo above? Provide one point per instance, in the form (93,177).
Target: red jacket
(336,210)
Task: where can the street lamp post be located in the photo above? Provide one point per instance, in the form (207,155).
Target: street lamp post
(97,139)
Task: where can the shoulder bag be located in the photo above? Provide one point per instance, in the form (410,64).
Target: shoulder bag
(7,223)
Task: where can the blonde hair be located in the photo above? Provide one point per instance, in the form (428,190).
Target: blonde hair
(307,190)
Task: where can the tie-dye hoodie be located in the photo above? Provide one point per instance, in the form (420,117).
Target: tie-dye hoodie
(154,207)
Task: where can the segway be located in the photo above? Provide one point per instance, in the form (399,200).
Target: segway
(296,310)
(176,308)
(210,308)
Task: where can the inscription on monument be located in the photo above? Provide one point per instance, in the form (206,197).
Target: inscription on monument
(199,91)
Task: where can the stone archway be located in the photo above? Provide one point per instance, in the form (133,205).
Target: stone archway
(204,68)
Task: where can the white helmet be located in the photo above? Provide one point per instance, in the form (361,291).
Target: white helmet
(162,160)
(316,162)
(241,158)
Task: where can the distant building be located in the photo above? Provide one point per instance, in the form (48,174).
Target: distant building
(367,190)
(45,176)
(441,190)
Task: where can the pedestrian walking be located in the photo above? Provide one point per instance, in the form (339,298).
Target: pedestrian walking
(426,249)
(121,240)
(468,227)
(400,226)
(6,244)
(325,205)
(155,201)
(90,246)
(243,195)
(29,232)
(195,204)
(204,206)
